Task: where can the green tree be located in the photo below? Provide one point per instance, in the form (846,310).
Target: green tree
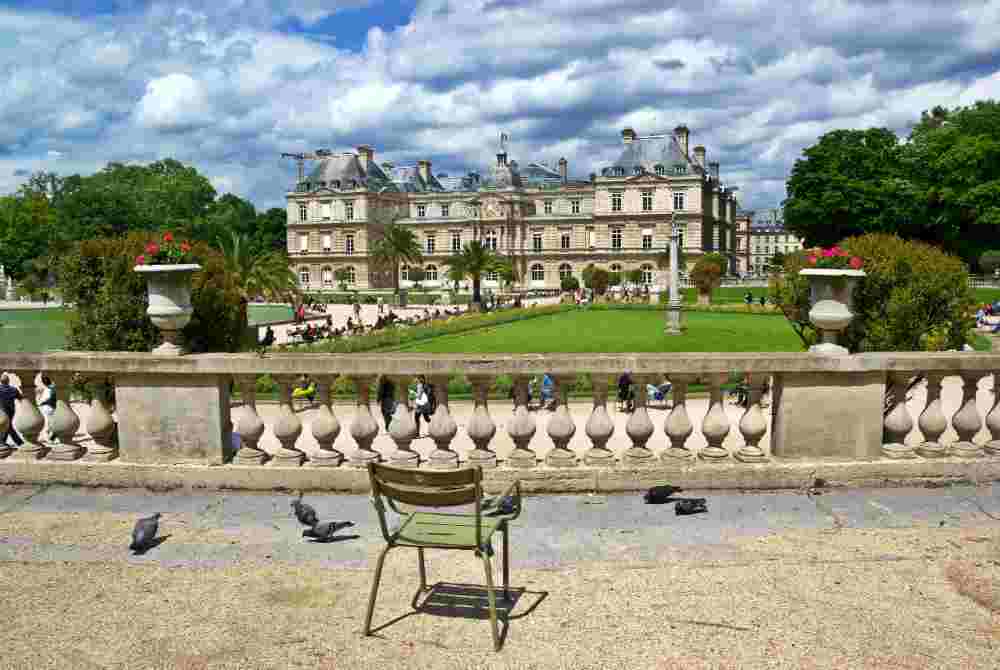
(777,261)
(396,246)
(475,260)
(267,276)
(569,283)
(706,274)
(989,261)
(342,276)
(634,276)
(27,228)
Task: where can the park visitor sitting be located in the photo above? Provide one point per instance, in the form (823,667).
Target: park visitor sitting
(268,339)
(626,397)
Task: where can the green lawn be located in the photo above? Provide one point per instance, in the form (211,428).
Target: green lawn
(620,331)
(987,294)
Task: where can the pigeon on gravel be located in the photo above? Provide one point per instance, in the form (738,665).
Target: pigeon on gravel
(660,495)
(499,505)
(326,530)
(144,533)
(304,512)
(686,506)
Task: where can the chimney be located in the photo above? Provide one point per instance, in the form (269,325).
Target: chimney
(502,159)
(681,133)
(713,169)
(563,169)
(699,155)
(424,169)
(366,154)
(628,135)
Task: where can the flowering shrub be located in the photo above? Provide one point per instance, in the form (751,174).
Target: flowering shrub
(833,258)
(166,252)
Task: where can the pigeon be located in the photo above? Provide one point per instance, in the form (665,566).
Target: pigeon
(326,530)
(144,533)
(686,506)
(499,505)
(304,513)
(660,495)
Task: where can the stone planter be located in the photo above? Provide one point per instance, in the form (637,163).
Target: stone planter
(169,288)
(831,299)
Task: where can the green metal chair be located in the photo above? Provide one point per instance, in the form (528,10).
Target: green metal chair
(437,530)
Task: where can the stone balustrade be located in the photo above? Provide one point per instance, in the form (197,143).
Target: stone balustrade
(178,410)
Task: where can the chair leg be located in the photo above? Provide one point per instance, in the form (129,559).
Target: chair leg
(423,568)
(506,562)
(374,593)
(492,598)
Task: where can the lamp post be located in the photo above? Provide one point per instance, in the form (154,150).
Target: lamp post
(674,324)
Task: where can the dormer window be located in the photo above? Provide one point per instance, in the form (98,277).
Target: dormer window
(660,170)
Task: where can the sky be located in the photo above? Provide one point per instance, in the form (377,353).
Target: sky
(228,85)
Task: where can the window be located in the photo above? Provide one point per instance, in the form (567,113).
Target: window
(445,211)
(637,170)
(492,275)
(659,170)
(647,201)
(304,276)
(431,273)
(303,212)
(680,169)
(421,211)
(615,269)
(536,242)
(591,238)
(456,241)
(619,172)
(349,244)
(680,241)
(349,210)
(616,238)
(647,239)
(679,200)
(430,242)
(564,240)
(349,273)
(327,241)
(324,209)
(575,206)
(548,206)
(537,272)
(404,273)
(616,202)
(327,277)
(491,240)
(303,242)
(565,270)
(647,274)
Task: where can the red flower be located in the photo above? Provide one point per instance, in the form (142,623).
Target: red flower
(168,237)
(152,248)
(140,260)
(185,247)
(812,260)
(828,253)
(856,262)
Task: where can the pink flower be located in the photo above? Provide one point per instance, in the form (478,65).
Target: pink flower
(828,253)
(185,247)
(152,248)
(837,251)
(856,262)
(140,260)
(812,260)
(168,237)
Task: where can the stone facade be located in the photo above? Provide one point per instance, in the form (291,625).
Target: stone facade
(549,224)
(767,238)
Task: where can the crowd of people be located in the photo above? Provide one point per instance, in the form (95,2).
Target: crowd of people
(45,398)
(986,316)
(355,325)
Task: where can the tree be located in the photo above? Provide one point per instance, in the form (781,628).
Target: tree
(777,260)
(507,271)
(569,283)
(706,274)
(634,276)
(342,276)
(268,275)
(417,275)
(398,245)
(27,227)
(599,280)
(989,261)
(475,260)
(614,279)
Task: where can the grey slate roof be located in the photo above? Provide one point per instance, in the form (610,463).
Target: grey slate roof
(346,171)
(648,152)
(407,179)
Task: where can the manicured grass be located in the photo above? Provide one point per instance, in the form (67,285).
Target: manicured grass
(726,294)
(620,331)
(987,294)
(265,313)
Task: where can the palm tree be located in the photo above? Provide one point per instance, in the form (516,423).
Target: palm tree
(473,261)
(397,245)
(255,275)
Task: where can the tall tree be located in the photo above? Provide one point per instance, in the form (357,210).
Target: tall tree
(397,245)
(266,275)
(475,260)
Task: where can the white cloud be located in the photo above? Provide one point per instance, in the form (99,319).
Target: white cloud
(174,102)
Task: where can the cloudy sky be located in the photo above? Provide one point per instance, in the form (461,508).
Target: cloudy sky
(227,85)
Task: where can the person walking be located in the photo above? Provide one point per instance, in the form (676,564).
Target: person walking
(357,311)
(381,306)
(386,395)
(425,403)
(8,394)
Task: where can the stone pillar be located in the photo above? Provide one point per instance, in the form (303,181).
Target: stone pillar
(288,427)
(600,427)
(966,421)
(325,427)
(363,426)
(403,429)
(248,426)
(28,421)
(64,422)
(639,429)
(932,421)
(481,428)
(993,419)
(753,426)
(521,427)
(678,426)
(898,422)
(715,426)
(442,428)
(561,427)
(101,425)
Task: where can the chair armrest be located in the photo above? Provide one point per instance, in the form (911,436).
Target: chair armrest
(514,491)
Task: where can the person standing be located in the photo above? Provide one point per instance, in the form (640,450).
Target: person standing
(386,399)
(381,306)
(8,394)
(425,402)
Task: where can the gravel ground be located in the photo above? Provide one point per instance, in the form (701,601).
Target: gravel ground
(917,590)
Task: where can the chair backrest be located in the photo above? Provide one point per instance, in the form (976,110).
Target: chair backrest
(443,488)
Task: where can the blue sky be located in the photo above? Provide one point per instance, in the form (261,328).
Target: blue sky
(228,85)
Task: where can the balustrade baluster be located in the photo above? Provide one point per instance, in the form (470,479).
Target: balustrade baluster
(678,426)
(100,425)
(639,428)
(521,427)
(599,426)
(28,421)
(63,422)
(248,424)
(288,427)
(993,419)
(753,425)
(442,428)
(403,429)
(561,427)
(481,428)
(897,423)
(363,425)
(932,421)
(715,426)
(966,421)
(325,427)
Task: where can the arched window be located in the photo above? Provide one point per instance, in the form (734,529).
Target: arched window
(492,275)
(351,277)
(637,169)
(327,276)
(431,273)
(605,172)
(537,272)
(619,171)
(616,268)
(304,276)
(647,274)
(336,183)
(565,270)
(404,273)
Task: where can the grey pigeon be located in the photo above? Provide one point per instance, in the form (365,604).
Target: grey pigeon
(659,495)
(326,530)
(686,506)
(304,513)
(144,533)
(499,505)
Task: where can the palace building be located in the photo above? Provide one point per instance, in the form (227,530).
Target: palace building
(548,223)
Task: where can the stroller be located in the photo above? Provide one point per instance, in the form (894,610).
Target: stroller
(657,393)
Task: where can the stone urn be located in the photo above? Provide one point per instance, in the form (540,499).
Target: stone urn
(830,294)
(169,289)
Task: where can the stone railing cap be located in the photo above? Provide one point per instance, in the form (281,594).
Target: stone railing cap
(832,272)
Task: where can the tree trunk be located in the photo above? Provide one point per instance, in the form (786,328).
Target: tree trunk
(476,297)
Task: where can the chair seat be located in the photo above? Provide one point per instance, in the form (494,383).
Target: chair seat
(449,530)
